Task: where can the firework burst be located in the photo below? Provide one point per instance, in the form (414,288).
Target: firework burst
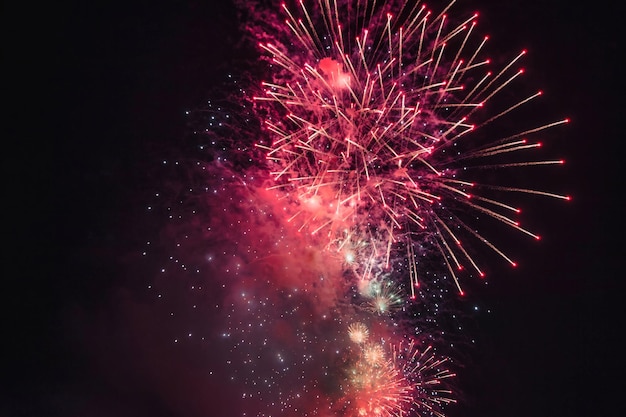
(373,354)
(383,295)
(427,374)
(371,112)
(379,389)
(358,332)
(401,381)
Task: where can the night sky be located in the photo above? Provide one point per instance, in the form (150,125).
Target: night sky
(97,98)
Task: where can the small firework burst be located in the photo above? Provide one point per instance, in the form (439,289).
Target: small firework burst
(358,333)
(384,296)
(373,354)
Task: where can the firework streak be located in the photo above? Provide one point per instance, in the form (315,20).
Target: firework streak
(379,137)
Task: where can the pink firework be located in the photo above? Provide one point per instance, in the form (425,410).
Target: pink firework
(373,112)
(399,381)
(378,389)
(427,374)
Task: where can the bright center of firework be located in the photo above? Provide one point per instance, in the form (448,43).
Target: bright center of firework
(380,304)
(333,74)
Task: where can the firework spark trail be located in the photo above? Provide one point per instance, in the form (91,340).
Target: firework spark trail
(366,111)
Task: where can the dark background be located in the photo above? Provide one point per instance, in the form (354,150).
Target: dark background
(97,92)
